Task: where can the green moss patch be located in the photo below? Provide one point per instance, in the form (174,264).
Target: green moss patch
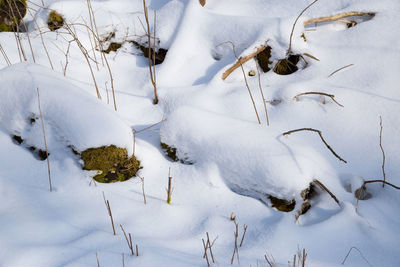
(111,162)
(55,21)
(11,13)
(282,204)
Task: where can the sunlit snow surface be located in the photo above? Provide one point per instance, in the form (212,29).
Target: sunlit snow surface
(237,163)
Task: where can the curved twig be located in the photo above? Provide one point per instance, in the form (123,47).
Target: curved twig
(319,93)
(294,24)
(322,138)
(383,152)
(340,69)
(381,181)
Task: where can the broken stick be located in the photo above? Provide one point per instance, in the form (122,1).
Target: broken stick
(241,61)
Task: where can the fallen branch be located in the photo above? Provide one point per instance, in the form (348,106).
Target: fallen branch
(340,69)
(322,138)
(338,17)
(240,61)
(321,185)
(319,93)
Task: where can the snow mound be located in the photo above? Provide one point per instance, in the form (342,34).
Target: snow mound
(254,160)
(71,115)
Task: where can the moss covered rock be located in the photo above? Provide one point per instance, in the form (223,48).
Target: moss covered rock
(11,13)
(55,21)
(111,162)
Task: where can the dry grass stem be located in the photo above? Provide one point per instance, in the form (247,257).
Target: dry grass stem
(44,138)
(169,190)
(205,252)
(137,251)
(381,181)
(240,61)
(128,240)
(262,93)
(362,255)
(97,259)
(5,55)
(143,193)
(235,249)
(148,33)
(85,54)
(319,93)
(340,69)
(383,152)
(338,17)
(245,79)
(322,138)
(244,234)
(289,51)
(107,203)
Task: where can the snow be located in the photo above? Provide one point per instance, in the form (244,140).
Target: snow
(236,163)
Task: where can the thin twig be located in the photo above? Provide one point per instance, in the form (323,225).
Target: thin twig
(319,93)
(262,93)
(321,185)
(97,259)
(245,79)
(142,181)
(235,249)
(5,56)
(205,252)
(148,33)
(44,138)
(322,138)
(381,181)
(340,69)
(128,241)
(348,253)
(137,250)
(383,152)
(244,233)
(294,24)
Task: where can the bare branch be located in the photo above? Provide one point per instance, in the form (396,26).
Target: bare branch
(322,138)
(319,93)
(383,152)
(321,185)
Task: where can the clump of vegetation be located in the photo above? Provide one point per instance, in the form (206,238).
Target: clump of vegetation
(11,13)
(263,59)
(112,163)
(55,21)
(170,151)
(282,204)
(287,65)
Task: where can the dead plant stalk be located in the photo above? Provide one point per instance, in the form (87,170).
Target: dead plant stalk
(322,138)
(245,79)
(148,33)
(107,203)
(383,152)
(44,138)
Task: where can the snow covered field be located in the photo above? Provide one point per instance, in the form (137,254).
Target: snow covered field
(229,163)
